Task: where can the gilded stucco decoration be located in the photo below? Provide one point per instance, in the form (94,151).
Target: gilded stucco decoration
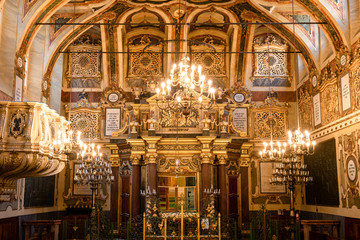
(272,63)
(170,118)
(305,107)
(145,59)
(356,87)
(270,118)
(329,102)
(186,164)
(84,68)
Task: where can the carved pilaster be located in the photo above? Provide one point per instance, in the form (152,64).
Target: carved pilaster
(246,150)
(137,150)
(114,157)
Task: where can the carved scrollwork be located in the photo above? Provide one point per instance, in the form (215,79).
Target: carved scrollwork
(179,147)
(125,168)
(233,168)
(168,164)
(17,123)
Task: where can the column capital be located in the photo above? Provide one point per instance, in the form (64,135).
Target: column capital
(135,159)
(223,159)
(137,146)
(151,158)
(206,157)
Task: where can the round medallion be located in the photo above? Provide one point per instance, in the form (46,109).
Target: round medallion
(113,97)
(20,62)
(351,169)
(343,60)
(239,97)
(314,81)
(45,85)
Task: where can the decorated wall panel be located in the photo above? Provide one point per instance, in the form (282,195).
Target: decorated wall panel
(145,60)
(270,119)
(349,169)
(272,63)
(214,65)
(329,102)
(84,64)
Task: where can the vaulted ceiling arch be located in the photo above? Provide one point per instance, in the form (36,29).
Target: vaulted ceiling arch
(252,12)
(72,34)
(42,14)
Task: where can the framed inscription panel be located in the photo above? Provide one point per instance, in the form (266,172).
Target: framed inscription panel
(345,92)
(18,89)
(317,109)
(266,170)
(112,120)
(240,119)
(351,169)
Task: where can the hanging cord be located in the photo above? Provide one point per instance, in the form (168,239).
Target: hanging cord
(295,71)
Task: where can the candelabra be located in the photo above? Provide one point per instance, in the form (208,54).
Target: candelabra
(93,170)
(150,199)
(185,88)
(212,191)
(298,144)
(289,169)
(71,141)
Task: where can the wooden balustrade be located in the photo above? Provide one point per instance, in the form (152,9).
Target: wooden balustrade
(43,229)
(321,226)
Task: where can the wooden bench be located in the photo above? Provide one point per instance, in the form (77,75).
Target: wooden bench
(49,229)
(321,226)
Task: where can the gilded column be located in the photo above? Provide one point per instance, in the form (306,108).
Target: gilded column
(222,184)
(137,150)
(135,186)
(206,161)
(246,149)
(151,161)
(220,150)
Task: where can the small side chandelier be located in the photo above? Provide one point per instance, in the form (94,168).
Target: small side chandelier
(94,169)
(185,88)
(298,144)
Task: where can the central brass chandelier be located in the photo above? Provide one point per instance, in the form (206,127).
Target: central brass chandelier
(185,88)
